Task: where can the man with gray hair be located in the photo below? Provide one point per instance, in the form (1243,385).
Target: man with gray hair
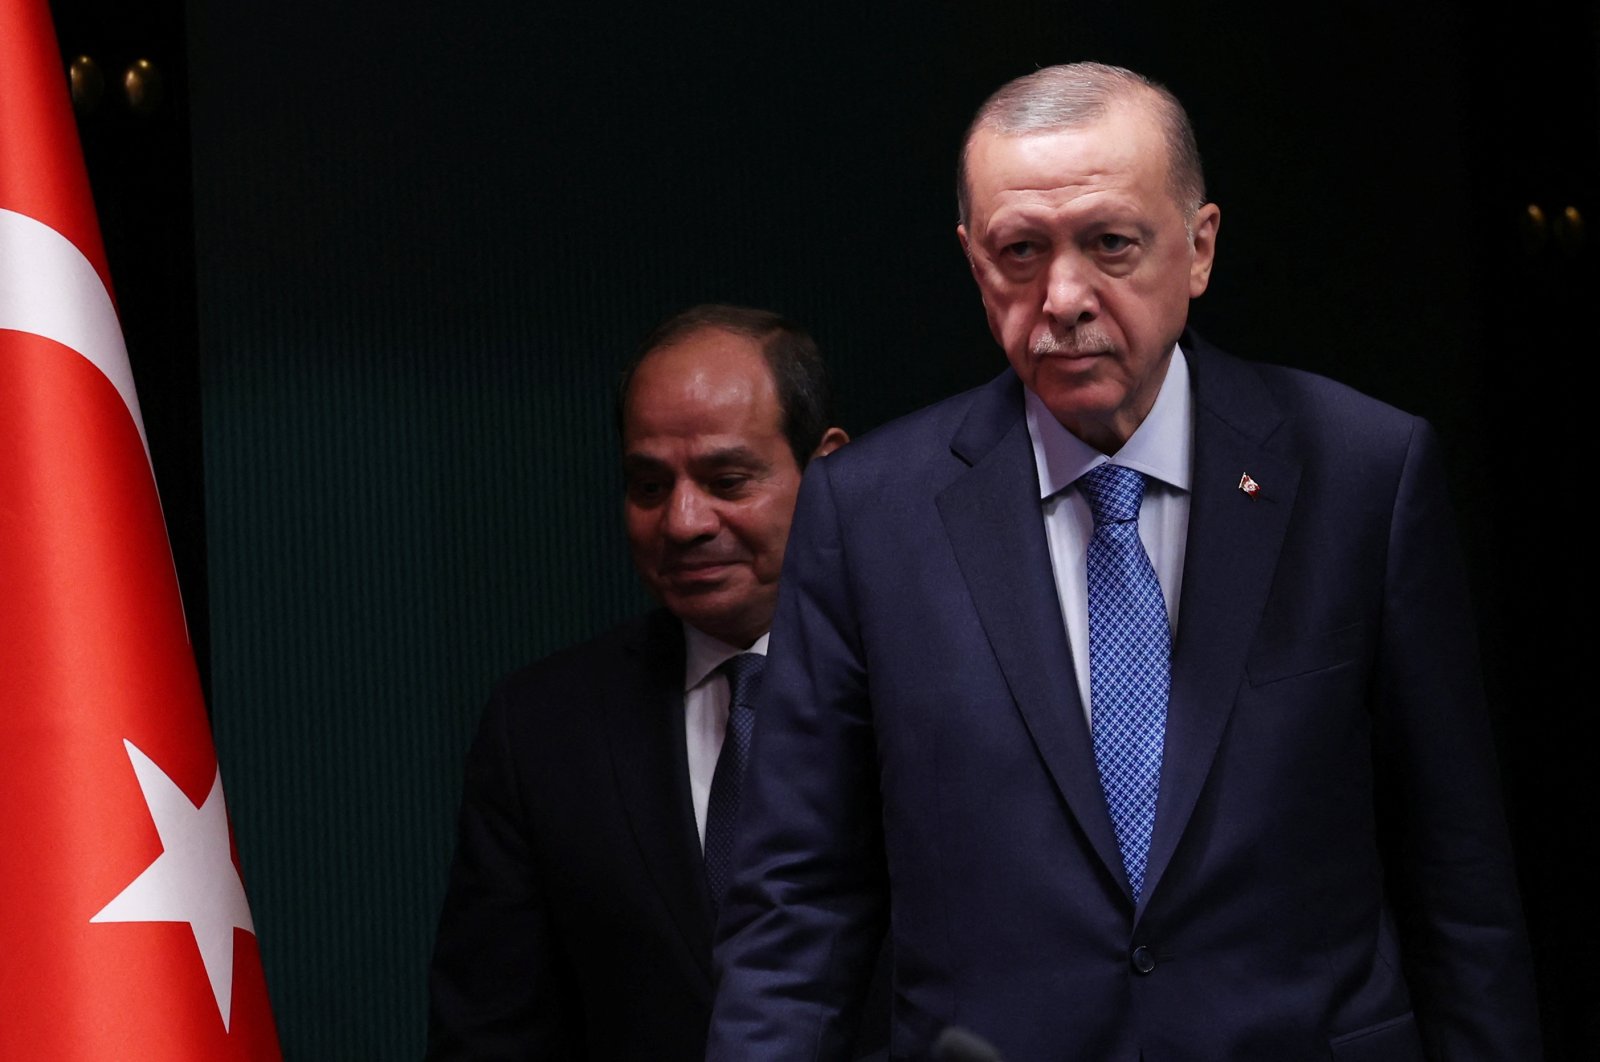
(1136,691)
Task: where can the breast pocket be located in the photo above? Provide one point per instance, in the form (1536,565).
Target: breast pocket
(1279,656)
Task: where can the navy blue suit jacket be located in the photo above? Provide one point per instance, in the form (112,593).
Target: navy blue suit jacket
(1329,875)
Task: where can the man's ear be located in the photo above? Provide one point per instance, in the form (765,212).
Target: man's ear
(1206,222)
(966,247)
(832,439)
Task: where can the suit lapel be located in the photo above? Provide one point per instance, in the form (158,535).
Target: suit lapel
(645,728)
(993,518)
(1231,553)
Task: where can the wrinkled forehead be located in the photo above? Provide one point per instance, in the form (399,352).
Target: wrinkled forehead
(1112,153)
(1126,130)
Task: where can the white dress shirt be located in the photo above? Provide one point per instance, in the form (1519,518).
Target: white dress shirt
(705,711)
(1161,448)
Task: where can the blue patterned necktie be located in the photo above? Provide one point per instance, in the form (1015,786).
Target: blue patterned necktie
(744,680)
(1129,661)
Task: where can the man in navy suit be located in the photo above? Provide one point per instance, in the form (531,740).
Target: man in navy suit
(578,918)
(1221,788)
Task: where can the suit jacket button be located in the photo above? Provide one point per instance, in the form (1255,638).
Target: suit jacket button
(1143,961)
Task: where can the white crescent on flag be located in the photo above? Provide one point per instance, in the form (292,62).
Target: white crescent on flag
(49,289)
(106,871)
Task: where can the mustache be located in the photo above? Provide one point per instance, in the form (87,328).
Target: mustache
(1083,339)
(691,557)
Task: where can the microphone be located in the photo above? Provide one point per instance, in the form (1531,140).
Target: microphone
(956,1044)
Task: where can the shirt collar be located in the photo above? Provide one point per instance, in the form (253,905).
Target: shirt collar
(705,654)
(1160,447)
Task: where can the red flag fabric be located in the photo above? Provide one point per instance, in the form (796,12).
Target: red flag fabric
(124,929)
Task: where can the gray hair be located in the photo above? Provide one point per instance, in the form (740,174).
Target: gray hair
(1074,95)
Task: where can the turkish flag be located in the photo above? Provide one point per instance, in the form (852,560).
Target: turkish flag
(124,930)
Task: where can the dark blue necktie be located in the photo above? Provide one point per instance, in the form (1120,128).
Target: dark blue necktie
(1129,662)
(744,681)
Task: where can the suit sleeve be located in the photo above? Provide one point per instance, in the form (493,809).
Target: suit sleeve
(497,987)
(803,923)
(1448,851)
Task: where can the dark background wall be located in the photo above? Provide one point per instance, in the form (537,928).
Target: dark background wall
(377,366)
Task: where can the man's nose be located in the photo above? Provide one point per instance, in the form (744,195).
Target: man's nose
(689,514)
(1070,296)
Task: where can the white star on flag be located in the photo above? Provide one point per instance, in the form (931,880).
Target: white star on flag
(194,879)
(96,650)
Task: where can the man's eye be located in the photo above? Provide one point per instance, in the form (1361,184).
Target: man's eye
(646,490)
(1113,242)
(729,484)
(1020,251)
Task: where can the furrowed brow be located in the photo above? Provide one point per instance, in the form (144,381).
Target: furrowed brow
(730,457)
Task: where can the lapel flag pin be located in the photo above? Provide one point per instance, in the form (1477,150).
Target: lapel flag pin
(1251,488)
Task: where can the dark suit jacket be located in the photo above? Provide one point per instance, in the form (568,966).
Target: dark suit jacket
(1329,875)
(577,923)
